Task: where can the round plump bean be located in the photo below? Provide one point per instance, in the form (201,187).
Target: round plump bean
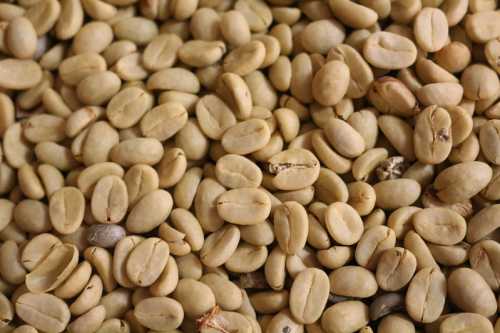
(290,226)
(294,169)
(21,38)
(395,268)
(66,209)
(246,137)
(440,225)
(353,281)
(388,50)
(344,138)
(19,74)
(314,283)
(433,135)
(159,313)
(474,177)
(463,322)
(146,261)
(331,82)
(469,291)
(235,171)
(344,317)
(426,295)
(43,311)
(215,116)
(244,206)
(395,193)
(431,29)
(149,212)
(109,201)
(195,297)
(343,223)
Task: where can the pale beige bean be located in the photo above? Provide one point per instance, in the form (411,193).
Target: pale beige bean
(353,281)
(431,29)
(21,38)
(246,258)
(43,311)
(149,212)
(19,74)
(161,52)
(228,296)
(450,229)
(344,138)
(53,270)
(387,50)
(109,201)
(256,13)
(37,249)
(466,322)
(214,116)
(75,283)
(89,176)
(479,82)
(234,28)
(88,322)
(29,182)
(246,137)
(291,226)
(66,209)
(235,92)
(159,313)
(195,297)
(11,267)
(146,261)
(235,171)
(120,255)
(136,29)
(205,204)
(294,169)
(360,72)
(373,243)
(477,31)
(469,291)
(137,151)
(335,76)
(74,69)
(98,88)
(483,257)
(246,58)
(43,15)
(174,78)
(205,24)
(219,246)
(426,295)
(321,35)
(127,107)
(164,121)
(391,96)
(343,223)
(396,193)
(395,268)
(474,175)
(302,76)
(432,135)
(244,206)
(345,317)
(200,53)
(352,14)
(117,302)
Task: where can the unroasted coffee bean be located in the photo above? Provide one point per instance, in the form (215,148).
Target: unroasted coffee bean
(105,235)
(249,165)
